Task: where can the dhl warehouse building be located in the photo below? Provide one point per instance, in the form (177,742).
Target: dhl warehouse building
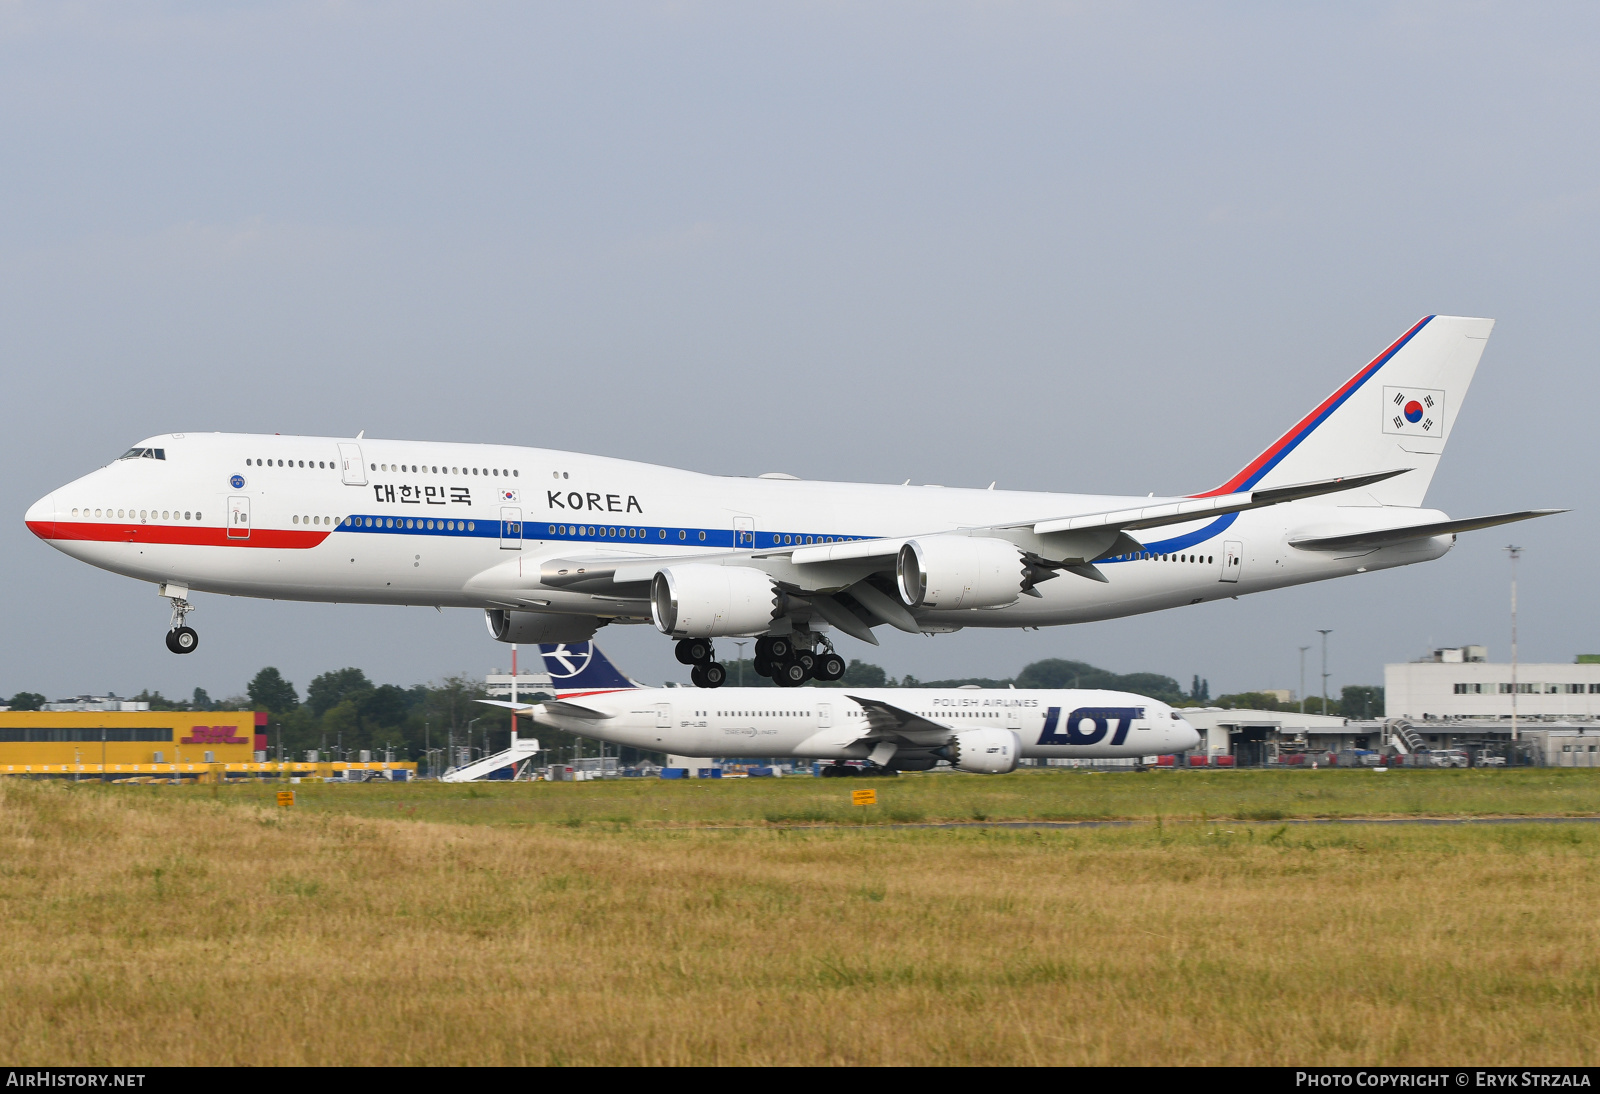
(161,744)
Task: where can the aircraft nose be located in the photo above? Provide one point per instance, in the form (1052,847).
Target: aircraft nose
(1188,736)
(41,517)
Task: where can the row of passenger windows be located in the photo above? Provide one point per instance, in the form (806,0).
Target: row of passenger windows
(1528,689)
(426,469)
(401,522)
(763,714)
(1151,555)
(421,469)
(789,538)
(147,514)
(614,533)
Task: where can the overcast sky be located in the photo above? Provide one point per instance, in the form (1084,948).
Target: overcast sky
(1081,247)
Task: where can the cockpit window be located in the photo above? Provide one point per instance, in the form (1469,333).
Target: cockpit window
(144,454)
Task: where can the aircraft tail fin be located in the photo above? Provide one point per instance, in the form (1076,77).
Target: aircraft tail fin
(1396,412)
(580,667)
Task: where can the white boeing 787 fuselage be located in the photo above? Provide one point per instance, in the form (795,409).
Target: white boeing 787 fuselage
(878,724)
(555,544)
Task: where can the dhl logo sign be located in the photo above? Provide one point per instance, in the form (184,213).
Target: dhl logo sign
(212,735)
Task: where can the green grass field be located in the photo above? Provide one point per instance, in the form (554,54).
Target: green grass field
(670,923)
(1038,795)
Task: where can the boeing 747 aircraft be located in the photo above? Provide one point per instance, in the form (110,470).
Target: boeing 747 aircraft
(983,730)
(554,545)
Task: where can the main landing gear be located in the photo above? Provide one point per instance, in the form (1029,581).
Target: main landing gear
(778,659)
(706,672)
(181,638)
(789,665)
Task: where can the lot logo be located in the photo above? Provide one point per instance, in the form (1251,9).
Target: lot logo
(571,660)
(212,735)
(1089,725)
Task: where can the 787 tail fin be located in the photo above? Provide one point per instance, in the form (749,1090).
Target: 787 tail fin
(580,668)
(1396,412)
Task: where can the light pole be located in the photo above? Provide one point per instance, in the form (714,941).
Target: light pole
(1325,634)
(741,646)
(1514,553)
(1303,678)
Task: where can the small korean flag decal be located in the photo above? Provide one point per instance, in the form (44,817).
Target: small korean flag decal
(1413,411)
(509,495)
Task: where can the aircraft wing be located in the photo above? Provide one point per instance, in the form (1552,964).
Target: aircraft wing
(1158,513)
(1389,537)
(889,722)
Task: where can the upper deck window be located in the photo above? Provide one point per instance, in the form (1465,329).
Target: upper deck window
(144,453)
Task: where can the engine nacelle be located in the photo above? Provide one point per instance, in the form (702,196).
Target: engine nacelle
(960,572)
(532,627)
(985,751)
(696,600)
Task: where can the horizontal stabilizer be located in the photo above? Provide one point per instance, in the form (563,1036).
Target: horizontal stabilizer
(1389,537)
(554,706)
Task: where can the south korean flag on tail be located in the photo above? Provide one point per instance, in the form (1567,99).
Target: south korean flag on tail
(1413,411)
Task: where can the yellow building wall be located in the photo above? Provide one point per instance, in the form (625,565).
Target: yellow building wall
(211,725)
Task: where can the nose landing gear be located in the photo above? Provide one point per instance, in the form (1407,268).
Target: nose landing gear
(181,638)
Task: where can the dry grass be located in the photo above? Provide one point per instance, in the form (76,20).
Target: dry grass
(162,926)
(1024,795)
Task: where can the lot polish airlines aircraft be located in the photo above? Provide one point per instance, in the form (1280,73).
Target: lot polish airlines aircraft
(984,730)
(554,545)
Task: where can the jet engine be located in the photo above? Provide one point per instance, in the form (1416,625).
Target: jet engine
(531,627)
(985,751)
(696,600)
(960,572)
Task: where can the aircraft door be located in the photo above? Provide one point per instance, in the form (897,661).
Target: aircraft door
(1232,560)
(238,518)
(744,532)
(510,529)
(352,469)
(663,715)
(824,715)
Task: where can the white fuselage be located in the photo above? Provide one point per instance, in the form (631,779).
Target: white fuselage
(468,525)
(828,723)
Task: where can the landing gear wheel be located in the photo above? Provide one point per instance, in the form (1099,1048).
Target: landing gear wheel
(790,674)
(838,771)
(693,651)
(182,640)
(778,649)
(830,666)
(807,661)
(763,667)
(709,675)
